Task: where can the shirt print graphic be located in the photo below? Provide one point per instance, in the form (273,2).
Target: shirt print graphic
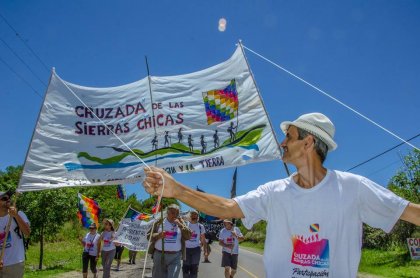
(107,243)
(193,237)
(8,241)
(311,251)
(170,236)
(229,240)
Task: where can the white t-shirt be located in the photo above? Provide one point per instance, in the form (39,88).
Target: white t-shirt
(172,237)
(318,231)
(226,236)
(91,243)
(197,230)
(108,238)
(15,250)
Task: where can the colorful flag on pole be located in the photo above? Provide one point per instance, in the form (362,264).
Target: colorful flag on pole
(121,192)
(135,215)
(89,211)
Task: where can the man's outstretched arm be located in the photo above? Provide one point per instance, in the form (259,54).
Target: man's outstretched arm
(411,214)
(207,203)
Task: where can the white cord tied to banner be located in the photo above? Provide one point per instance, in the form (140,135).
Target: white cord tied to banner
(331,97)
(141,160)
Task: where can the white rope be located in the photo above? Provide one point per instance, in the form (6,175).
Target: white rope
(141,160)
(331,97)
(151,231)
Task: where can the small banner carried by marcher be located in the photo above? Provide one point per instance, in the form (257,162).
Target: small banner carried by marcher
(213,228)
(89,211)
(414,248)
(132,232)
(205,120)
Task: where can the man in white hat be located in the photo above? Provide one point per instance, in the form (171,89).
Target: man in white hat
(315,216)
(172,238)
(14,252)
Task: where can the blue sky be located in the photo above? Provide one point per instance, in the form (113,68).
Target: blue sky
(364,53)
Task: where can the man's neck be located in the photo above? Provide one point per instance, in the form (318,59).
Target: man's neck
(308,177)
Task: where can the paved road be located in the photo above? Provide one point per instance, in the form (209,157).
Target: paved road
(250,264)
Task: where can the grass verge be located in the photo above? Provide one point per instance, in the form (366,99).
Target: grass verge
(255,247)
(392,264)
(59,257)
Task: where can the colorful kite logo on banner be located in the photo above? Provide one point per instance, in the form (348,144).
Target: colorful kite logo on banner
(221,105)
(89,211)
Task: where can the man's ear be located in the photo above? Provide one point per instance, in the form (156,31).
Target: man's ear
(309,141)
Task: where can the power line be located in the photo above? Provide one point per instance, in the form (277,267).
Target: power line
(20,77)
(27,66)
(24,42)
(388,150)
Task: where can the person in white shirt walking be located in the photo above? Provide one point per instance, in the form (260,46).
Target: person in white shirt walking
(107,247)
(193,246)
(14,252)
(173,236)
(90,251)
(229,238)
(315,217)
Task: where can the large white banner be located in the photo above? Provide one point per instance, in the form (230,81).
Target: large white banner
(204,120)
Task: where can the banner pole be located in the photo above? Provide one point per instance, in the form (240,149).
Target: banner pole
(163,240)
(129,206)
(151,101)
(34,130)
(263,105)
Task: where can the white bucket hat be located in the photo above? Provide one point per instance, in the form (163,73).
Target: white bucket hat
(316,124)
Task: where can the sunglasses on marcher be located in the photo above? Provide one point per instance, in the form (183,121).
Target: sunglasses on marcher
(5,198)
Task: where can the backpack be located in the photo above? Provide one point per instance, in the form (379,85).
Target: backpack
(21,236)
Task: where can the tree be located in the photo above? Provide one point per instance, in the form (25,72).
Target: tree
(406,183)
(46,210)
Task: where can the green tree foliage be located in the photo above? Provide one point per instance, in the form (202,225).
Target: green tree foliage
(9,179)
(49,211)
(406,183)
(257,232)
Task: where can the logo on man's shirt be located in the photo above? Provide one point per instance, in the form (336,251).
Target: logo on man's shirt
(107,242)
(193,236)
(8,241)
(311,251)
(170,236)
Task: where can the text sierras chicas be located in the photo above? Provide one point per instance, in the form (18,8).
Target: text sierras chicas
(120,113)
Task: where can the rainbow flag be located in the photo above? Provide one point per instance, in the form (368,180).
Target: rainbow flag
(121,192)
(89,211)
(135,215)
(221,105)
